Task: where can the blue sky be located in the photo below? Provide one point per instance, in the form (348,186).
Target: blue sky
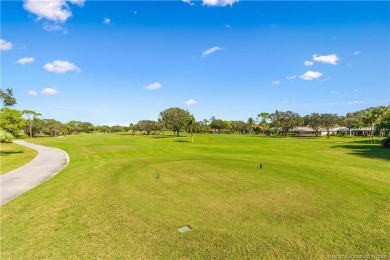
(123,61)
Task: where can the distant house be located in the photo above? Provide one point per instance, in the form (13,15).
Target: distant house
(338,130)
(302,131)
(362,131)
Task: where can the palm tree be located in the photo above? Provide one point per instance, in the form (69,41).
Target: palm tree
(250,123)
(190,124)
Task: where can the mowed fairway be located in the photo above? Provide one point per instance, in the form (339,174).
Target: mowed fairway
(13,156)
(314,198)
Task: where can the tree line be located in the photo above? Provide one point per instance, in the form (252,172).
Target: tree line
(27,123)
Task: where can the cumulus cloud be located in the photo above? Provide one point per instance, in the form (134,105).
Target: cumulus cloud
(54,11)
(107,20)
(25,60)
(211,50)
(59,67)
(329,59)
(291,77)
(276,82)
(357,53)
(153,86)
(188,2)
(5,46)
(49,91)
(219,2)
(32,93)
(190,102)
(310,75)
(308,63)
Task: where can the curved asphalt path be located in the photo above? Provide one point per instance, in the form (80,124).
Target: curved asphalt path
(46,164)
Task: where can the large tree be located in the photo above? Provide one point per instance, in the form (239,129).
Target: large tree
(174,118)
(264,121)
(147,125)
(52,127)
(7,97)
(351,120)
(285,121)
(11,121)
(31,115)
(328,121)
(373,116)
(314,121)
(384,124)
(239,126)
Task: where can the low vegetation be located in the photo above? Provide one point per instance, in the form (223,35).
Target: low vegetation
(313,198)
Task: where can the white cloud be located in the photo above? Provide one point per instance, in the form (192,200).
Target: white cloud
(188,2)
(310,75)
(25,60)
(32,93)
(211,50)
(276,82)
(291,77)
(77,2)
(357,53)
(308,63)
(49,91)
(107,20)
(59,66)
(57,11)
(53,27)
(355,102)
(329,59)
(153,86)
(5,46)
(219,2)
(190,102)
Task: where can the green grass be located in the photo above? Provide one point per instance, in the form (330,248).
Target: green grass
(13,156)
(313,198)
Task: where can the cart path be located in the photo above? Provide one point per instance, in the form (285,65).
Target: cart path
(46,164)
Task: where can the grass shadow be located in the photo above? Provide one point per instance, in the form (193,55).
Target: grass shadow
(373,151)
(181,141)
(163,136)
(7,153)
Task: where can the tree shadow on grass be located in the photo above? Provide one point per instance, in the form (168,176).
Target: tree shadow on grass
(181,141)
(373,151)
(163,136)
(7,153)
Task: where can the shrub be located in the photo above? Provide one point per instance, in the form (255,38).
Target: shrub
(5,137)
(385,143)
(22,136)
